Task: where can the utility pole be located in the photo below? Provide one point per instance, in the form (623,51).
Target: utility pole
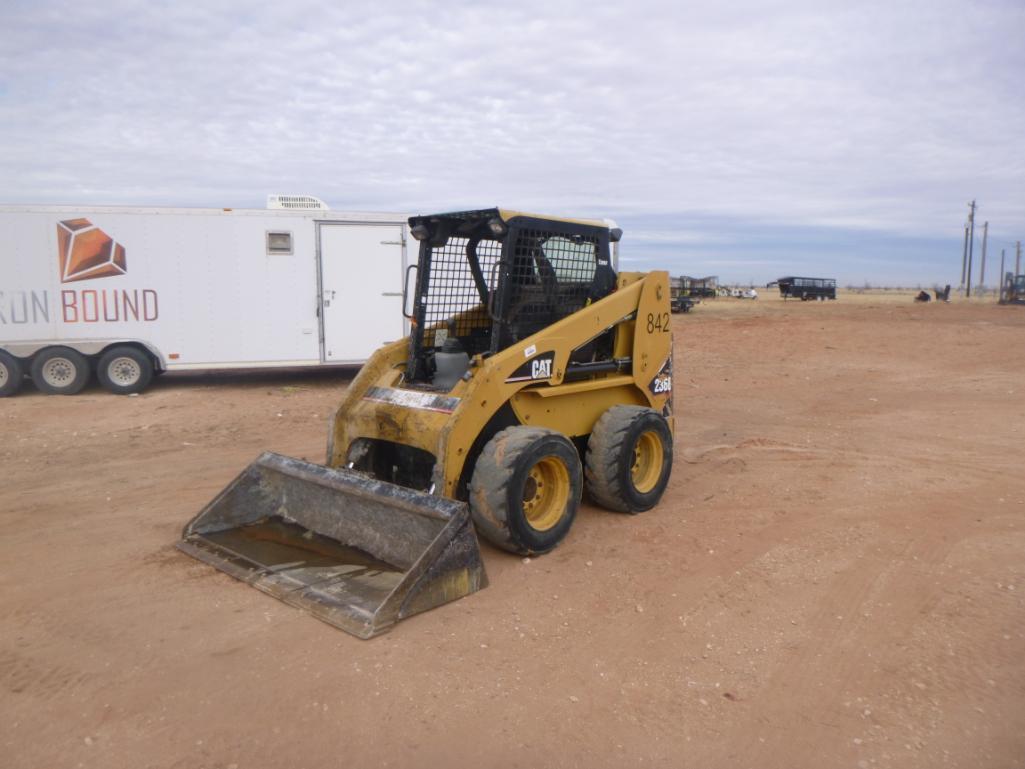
(964,260)
(1017,259)
(982,276)
(971,247)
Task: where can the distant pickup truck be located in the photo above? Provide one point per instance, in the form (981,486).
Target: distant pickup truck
(743,293)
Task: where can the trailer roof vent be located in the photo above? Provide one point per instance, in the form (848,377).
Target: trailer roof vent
(296,203)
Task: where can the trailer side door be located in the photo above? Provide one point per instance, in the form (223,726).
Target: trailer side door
(361,268)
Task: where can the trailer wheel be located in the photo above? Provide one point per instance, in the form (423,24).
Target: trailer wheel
(525,489)
(629,459)
(11,374)
(125,370)
(60,371)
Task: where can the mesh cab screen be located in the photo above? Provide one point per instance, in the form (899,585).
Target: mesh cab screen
(550,276)
(452,302)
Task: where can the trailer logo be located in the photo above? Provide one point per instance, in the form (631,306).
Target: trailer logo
(84,251)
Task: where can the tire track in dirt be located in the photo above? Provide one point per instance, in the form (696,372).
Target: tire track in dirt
(25,676)
(881,598)
(849,601)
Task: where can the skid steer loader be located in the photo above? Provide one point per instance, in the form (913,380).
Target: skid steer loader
(532,370)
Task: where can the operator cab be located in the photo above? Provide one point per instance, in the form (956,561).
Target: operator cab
(488,279)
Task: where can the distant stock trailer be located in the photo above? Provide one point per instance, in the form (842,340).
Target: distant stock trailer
(805,289)
(1012,289)
(127,292)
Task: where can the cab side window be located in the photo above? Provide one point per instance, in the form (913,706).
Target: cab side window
(573,260)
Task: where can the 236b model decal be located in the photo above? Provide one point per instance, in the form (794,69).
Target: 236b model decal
(663,381)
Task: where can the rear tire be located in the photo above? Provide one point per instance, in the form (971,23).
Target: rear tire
(11,374)
(60,371)
(629,459)
(125,370)
(526,489)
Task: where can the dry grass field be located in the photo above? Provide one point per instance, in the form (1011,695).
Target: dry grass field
(835,577)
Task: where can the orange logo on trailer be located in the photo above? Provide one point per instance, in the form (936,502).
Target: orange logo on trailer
(84,251)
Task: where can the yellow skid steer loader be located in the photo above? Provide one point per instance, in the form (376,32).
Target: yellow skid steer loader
(532,370)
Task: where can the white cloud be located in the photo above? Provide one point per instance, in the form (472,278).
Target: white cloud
(870,115)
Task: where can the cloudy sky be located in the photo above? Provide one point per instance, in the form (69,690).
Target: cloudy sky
(746,139)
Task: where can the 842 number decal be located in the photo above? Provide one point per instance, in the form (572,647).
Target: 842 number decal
(658,321)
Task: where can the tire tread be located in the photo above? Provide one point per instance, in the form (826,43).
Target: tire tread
(142,358)
(605,452)
(15,371)
(82,374)
(490,481)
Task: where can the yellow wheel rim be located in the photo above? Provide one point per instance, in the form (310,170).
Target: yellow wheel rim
(546,493)
(647,464)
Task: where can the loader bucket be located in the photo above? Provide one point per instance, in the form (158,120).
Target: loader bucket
(358,553)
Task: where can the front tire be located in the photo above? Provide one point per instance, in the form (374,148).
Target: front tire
(125,370)
(60,371)
(11,374)
(526,489)
(629,459)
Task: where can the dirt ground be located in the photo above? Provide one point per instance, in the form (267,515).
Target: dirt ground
(835,577)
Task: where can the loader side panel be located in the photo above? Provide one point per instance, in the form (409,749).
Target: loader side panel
(575,411)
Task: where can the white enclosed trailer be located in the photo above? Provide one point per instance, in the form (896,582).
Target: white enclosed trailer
(126,292)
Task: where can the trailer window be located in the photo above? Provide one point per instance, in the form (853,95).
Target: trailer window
(279,242)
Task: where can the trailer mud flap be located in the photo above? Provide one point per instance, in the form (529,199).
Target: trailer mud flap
(358,553)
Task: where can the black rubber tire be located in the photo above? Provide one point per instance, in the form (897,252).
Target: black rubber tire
(610,458)
(125,370)
(60,371)
(12,374)
(500,480)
